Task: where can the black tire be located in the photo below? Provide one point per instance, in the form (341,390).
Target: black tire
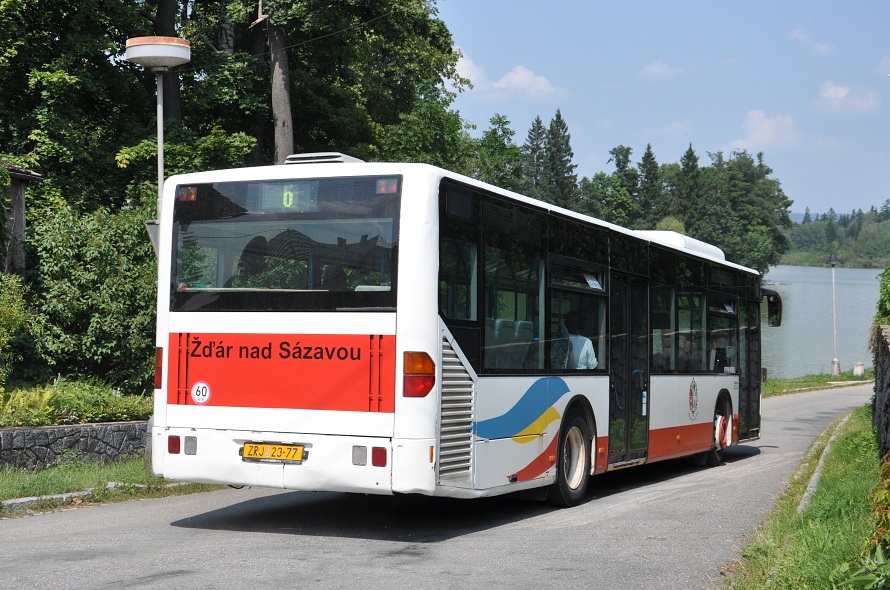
(572,464)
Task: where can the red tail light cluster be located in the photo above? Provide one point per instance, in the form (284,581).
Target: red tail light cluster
(419,374)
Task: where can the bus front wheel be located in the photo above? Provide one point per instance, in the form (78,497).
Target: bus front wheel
(572,464)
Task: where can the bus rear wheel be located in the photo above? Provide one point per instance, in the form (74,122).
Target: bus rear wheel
(572,465)
(722,427)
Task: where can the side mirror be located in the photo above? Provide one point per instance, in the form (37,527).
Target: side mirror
(773,307)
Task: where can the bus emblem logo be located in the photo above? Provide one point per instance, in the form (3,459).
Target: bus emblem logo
(693,400)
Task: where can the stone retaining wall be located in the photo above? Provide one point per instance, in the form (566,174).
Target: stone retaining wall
(43,446)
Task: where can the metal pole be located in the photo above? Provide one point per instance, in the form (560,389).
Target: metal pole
(835,364)
(159,76)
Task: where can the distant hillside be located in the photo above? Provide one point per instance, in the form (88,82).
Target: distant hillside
(860,239)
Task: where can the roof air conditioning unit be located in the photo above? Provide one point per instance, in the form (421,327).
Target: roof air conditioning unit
(322,158)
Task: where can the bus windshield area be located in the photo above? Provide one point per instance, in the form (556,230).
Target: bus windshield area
(286,245)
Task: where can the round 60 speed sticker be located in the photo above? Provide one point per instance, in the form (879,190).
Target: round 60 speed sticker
(200,393)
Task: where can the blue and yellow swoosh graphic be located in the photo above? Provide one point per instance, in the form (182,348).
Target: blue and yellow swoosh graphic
(529,416)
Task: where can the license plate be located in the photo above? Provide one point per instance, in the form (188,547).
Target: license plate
(272,453)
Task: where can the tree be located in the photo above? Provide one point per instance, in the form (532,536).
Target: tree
(282,116)
(67,97)
(559,180)
(627,176)
(357,67)
(498,159)
(688,194)
(651,191)
(533,159)
(432,134)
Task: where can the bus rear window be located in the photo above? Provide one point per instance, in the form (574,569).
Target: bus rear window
(286,245)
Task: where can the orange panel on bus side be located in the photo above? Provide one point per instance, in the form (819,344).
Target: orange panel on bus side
(668,443)
(312,372)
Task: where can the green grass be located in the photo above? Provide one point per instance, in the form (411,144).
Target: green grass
(772,386)
(73,475)
(809,550)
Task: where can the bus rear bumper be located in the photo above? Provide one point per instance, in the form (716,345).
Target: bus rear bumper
(331,463)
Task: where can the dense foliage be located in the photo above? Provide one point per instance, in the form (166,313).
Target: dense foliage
(883,315)
(861,239)
(94,296)
(13,316)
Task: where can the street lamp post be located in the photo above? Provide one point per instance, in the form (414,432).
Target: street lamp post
(835,364)
(158,54)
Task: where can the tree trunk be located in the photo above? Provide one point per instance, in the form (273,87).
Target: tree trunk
(281,112)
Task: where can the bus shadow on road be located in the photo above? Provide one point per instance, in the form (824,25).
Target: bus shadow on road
(615,482)
(419,519)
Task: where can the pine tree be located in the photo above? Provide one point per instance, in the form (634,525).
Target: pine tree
(650,191)
(687,193)
(560,180)
(533,154)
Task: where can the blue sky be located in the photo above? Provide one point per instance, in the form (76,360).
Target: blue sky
(806,83)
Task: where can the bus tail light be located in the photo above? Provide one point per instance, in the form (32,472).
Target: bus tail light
(419,374)
(378,456)
(174,444)
(159,366)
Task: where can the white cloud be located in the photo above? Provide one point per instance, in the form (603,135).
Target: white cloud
(839,99)
(803,38)
(658,71)
(767,132)
(524,80)
(518,81)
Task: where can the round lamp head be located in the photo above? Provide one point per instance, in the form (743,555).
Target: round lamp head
(158,53)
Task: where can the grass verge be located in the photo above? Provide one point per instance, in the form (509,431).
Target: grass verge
(772,386)
(807,550)
(72,475)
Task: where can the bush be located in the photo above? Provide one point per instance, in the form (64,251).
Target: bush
(71,402)
(883,315)
(12,317)
(94,295)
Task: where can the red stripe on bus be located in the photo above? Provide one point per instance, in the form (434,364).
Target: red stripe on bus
(667,443)
(540,464)
(313,372)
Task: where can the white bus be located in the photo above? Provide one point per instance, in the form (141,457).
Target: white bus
(394,328)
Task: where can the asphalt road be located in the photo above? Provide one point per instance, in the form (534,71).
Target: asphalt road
(668,525)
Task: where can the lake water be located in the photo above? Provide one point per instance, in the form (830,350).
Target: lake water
(804,343)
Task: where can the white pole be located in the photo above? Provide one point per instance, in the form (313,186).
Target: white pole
(159,76)
(835,364)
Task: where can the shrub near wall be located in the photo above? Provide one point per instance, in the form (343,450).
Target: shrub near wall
(94,295)
(12,317)
(71,402)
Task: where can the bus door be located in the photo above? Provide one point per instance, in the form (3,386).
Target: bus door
(629,369)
